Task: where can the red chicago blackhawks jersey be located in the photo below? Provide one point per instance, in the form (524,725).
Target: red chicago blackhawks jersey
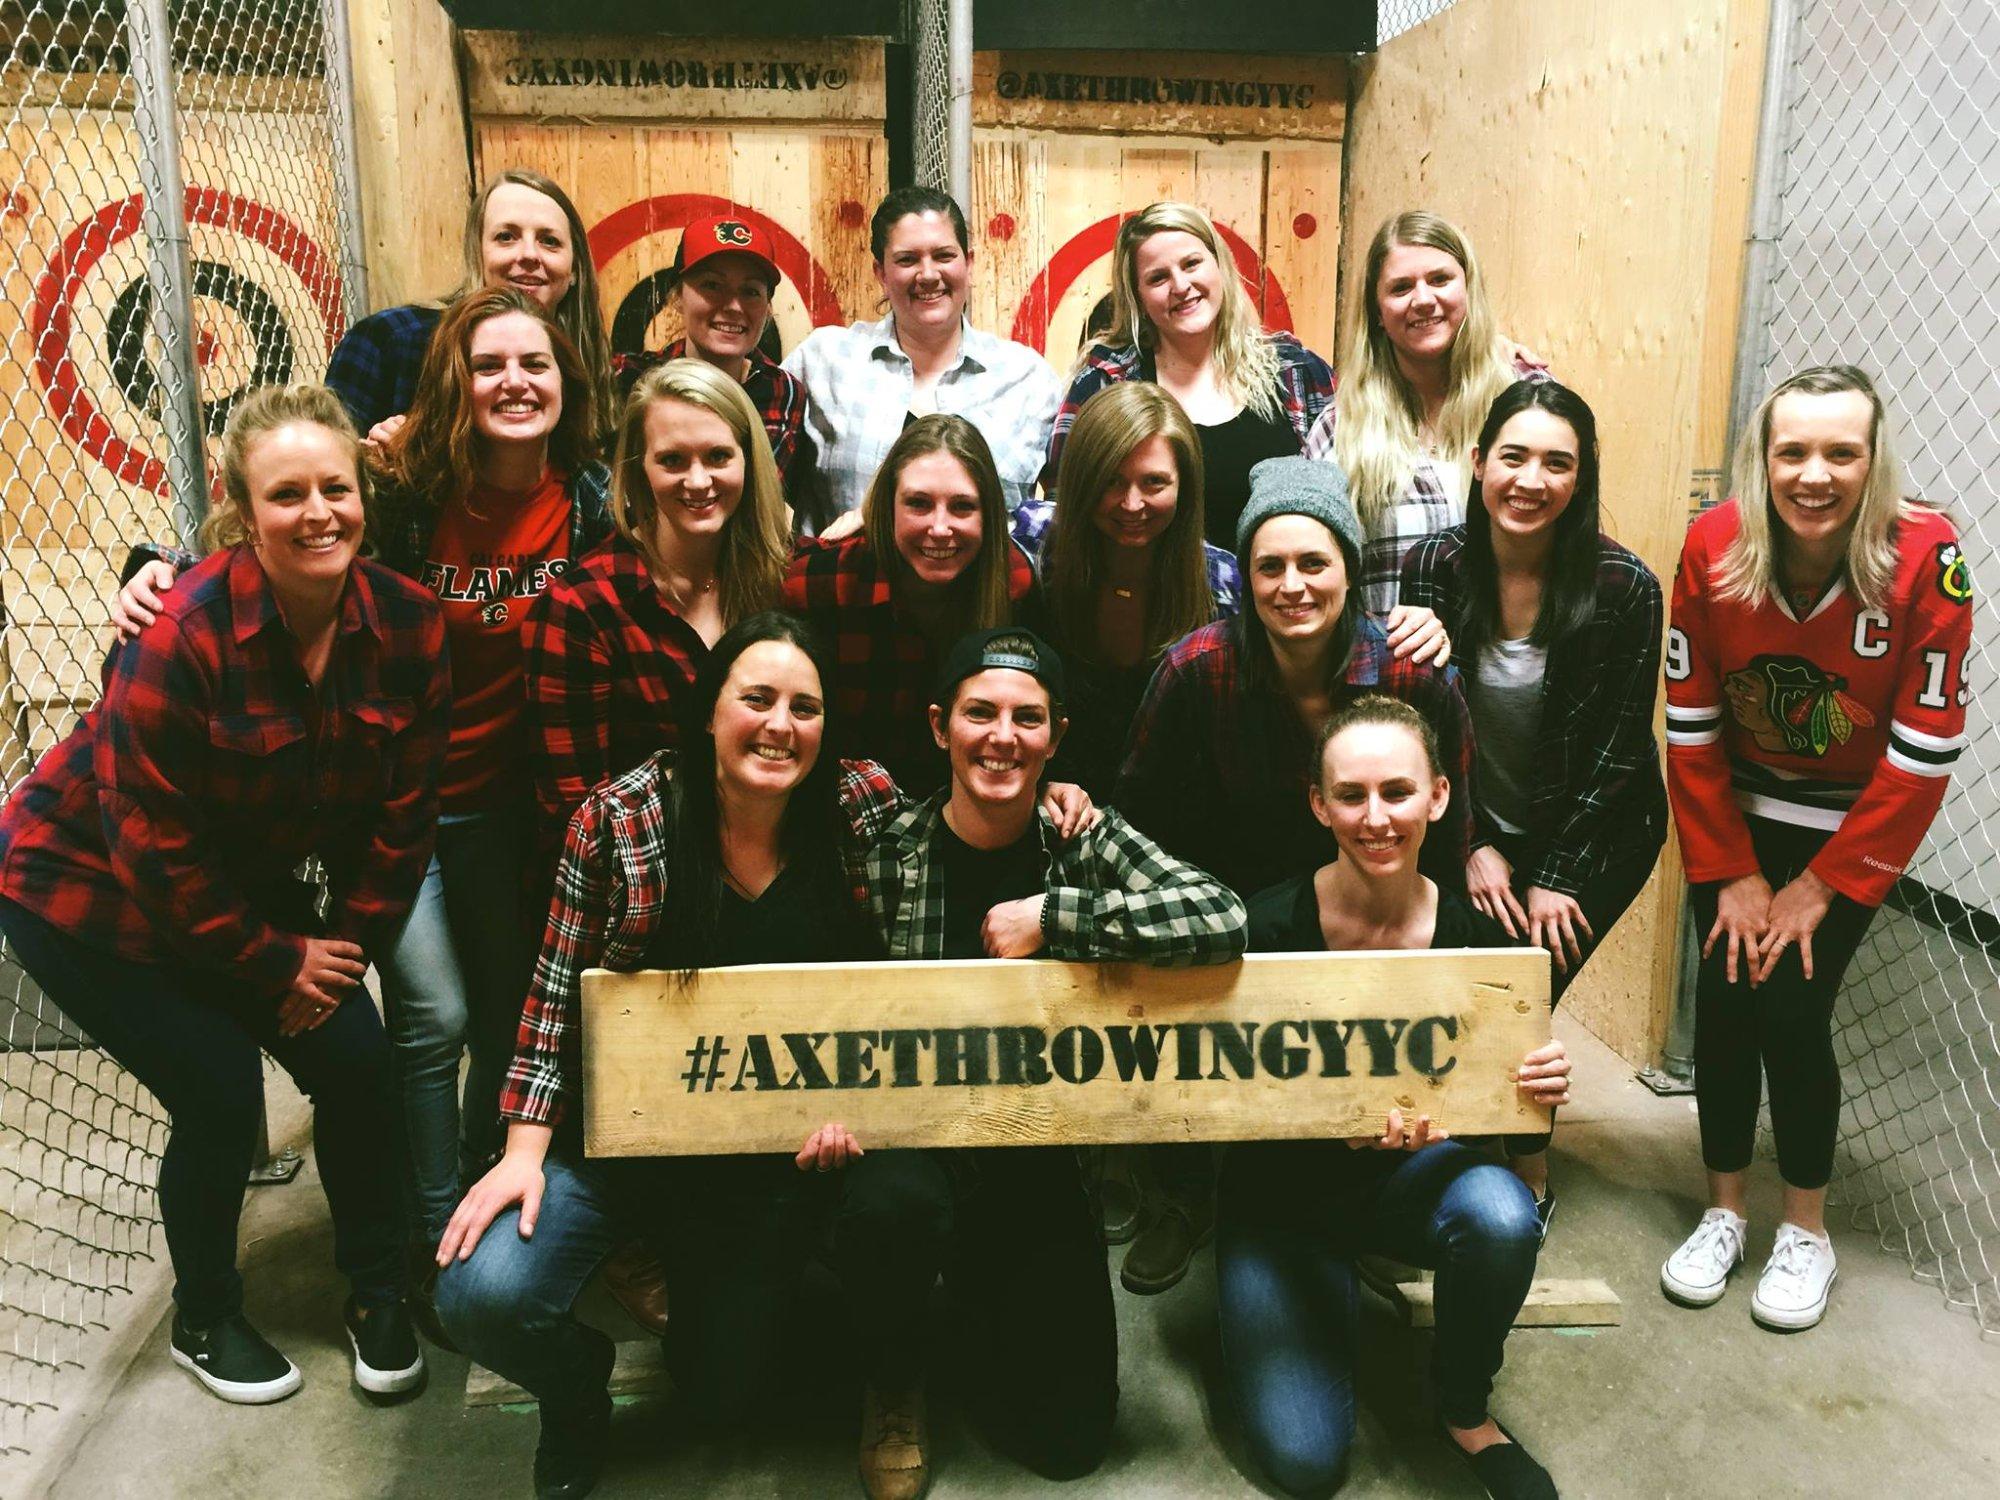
(1847,720)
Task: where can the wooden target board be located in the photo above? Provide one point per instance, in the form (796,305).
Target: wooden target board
(81,382)
(1068,144)
(647,134)
(992,1052)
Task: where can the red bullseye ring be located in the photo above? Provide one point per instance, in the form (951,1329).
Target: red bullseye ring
(83,247)
(627,226)
(1087,246)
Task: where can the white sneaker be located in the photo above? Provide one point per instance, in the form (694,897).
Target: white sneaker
(1791,1294)
(1697,1274)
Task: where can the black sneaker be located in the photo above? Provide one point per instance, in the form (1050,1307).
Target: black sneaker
(387,1360)
(234,1361)
(1506,1471)
(569,1456)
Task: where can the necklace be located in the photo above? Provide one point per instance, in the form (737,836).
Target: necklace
(683,596)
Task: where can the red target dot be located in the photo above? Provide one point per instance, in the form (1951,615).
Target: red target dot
(850,214)
(206,347)
(18,204)
(1000,227)
(1305,226)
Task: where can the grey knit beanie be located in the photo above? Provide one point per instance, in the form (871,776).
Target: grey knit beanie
(1300,487)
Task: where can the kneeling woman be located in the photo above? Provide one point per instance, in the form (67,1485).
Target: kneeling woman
(289,701)
(729,853)
(1293,1215)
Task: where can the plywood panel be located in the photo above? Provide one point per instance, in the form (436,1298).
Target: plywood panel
(998,1052)
(545,75)
(1302,234)
(1581,146)
(409,115)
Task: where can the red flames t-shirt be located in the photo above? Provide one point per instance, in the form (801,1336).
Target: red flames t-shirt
(492,554)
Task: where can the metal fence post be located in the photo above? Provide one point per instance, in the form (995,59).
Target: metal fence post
(169,274)
(958,121)
(1767,223)
(347,151)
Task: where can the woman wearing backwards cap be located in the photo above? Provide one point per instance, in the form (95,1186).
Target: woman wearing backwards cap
(975,871)
(1221,754)
(724,277)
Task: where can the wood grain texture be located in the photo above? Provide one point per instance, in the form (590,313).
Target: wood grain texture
(1586,1303)
(542,76)
(1594,155)
(991,1052)
(1216,95)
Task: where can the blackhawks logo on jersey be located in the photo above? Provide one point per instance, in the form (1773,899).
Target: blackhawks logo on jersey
(1954,577)
(1788,705)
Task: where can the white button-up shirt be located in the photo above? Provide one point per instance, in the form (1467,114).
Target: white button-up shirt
(860,387)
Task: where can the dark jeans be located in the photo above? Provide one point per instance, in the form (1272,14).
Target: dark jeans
(1013,1232)
(732,1232)
(1781,1031)
(1292,1216)
(1605,898)
(193,1039)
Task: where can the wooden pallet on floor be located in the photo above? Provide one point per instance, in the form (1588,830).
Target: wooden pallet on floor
(1585,1303)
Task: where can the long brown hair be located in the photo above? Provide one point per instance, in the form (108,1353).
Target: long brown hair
(757,538)
(1111,425)
(579,312)
(978,597)
(434,457)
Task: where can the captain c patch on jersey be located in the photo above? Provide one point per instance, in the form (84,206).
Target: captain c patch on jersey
(1954,578)
(1788,705)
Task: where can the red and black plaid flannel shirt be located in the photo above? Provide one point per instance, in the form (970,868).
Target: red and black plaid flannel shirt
(1217,775)
(168,825)
(608,662)
(883,668)
(778,395)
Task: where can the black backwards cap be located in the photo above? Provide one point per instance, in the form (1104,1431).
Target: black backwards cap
(1006,646)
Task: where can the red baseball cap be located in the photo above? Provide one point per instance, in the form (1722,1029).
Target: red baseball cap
(724,235)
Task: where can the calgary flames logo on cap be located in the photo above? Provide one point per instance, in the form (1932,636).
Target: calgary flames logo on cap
(731,232)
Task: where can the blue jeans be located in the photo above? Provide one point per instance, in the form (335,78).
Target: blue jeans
(508,1307)
(1291,1217)
(193,1038)
(455,981)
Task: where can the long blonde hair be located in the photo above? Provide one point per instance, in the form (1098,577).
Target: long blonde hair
(757,537)
(979,598)
(1244,356)
(1376,431)
(1747,572)
(1111,425)
(264,411)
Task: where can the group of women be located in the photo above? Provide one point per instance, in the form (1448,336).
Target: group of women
(789,663)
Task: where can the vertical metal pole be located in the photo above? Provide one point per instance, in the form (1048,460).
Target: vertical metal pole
(958,132)
(347,159)
(164,219)
(1767,202)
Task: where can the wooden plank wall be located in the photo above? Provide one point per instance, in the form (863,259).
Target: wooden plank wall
(1598,157)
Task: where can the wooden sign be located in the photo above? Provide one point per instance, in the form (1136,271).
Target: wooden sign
(995,1052)
(540,75)
(1212,94)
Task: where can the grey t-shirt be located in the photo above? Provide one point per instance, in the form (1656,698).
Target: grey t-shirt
(1506,693)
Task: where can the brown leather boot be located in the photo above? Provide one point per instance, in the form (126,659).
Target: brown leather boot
(895,1462)
(634,1276)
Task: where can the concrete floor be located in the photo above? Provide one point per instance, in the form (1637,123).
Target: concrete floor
(1895,1395)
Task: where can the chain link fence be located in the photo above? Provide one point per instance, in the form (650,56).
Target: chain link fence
(1394,17)
(173,223)
(930,94)
(1885,252)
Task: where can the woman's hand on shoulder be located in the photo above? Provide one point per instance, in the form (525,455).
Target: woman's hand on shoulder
(384,432)
(828,1149)
(842,526)
(516,1178)
(1553,923)
(138,603)
(1069,805)
(1795,914)
(1543,1077)
(1415,631)
(1489,882)
(1742,915)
